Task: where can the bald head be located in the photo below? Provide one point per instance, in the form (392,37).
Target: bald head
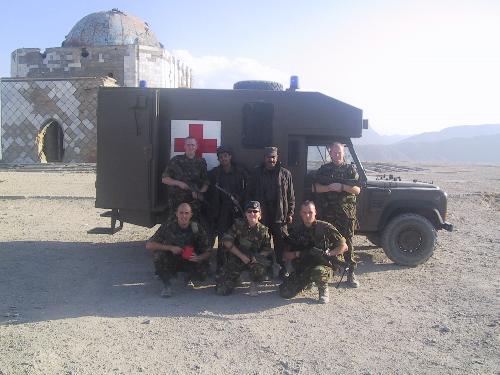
(184,214)
(337,153)
(308,213)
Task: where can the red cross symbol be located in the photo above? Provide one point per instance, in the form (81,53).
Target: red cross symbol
(204,145)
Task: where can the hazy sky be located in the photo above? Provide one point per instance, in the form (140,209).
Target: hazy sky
(412,66)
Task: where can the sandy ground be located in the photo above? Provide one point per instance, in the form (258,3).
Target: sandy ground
(73,303)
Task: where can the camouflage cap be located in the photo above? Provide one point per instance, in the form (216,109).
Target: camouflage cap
(224,149)
(252,205)
(271,151)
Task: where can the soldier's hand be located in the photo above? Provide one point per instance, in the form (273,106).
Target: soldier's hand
(289,219)
(176,250)
(338,250)
(245,259)
(335,186)
(289,255)
(197,195)
(195,258)
(182,185)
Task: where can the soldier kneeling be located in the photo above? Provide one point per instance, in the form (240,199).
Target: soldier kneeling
(310,243)
(248,244)
(180,245)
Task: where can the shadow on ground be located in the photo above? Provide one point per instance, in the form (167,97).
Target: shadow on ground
(42,281)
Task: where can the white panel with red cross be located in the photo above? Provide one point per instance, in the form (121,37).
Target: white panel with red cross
(207,133)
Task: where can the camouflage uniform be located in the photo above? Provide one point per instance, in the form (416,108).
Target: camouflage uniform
(338,208)
(307,267)
(191,171)
(250,241)
(167,264)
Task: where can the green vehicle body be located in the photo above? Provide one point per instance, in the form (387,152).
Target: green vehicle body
(134,146)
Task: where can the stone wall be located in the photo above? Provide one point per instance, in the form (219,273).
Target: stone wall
(128,64)
(28,104)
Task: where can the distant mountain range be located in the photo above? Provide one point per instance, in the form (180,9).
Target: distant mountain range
(371,137)
(458,144)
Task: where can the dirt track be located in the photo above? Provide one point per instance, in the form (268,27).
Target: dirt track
(73,303)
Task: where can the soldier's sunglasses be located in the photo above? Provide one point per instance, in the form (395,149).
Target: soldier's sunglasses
(253,211)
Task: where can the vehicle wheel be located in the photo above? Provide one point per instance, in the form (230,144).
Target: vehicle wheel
(374,238)
(258,85)
(409,239)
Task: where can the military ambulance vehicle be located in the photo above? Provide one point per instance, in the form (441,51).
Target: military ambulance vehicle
(140,129)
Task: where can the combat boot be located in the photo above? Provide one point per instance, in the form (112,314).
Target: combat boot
(324,294)
(351,279)
(188,283)
(166,292)
(254,290)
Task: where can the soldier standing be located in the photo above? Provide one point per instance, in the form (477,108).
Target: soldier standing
(248,244)
(187,179)
(337,199)
(308,267)
(228,183)
(180,245)
(272,186)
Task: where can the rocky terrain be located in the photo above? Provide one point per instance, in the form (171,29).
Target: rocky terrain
(74,303)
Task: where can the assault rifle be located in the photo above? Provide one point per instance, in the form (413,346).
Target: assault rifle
(320,255)
(249,250)
(331,260)
(233,199)
(195,189)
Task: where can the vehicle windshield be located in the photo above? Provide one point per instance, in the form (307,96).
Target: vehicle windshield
(317,155)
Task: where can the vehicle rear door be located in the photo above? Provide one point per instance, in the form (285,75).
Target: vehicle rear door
(126,125)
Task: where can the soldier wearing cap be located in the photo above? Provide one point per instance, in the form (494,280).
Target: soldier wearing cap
(272,185)
(228,182)
(248,243)
(187,178)
(180,245)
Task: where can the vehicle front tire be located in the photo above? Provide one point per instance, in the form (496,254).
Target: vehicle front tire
(409,240)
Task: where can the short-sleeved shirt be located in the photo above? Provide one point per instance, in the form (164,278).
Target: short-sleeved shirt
(250,240)
(170,233)
(336,203)
(191,171)
(320,234)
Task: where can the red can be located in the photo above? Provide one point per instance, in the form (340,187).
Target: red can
(187,252)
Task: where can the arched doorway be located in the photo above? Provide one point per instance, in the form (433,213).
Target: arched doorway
(50,142)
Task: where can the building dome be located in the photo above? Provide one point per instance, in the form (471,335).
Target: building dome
(110,28)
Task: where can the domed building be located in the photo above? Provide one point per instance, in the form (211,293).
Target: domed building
(49,104)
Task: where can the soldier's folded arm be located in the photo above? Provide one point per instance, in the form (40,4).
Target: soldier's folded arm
(320,188)
(351,189)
